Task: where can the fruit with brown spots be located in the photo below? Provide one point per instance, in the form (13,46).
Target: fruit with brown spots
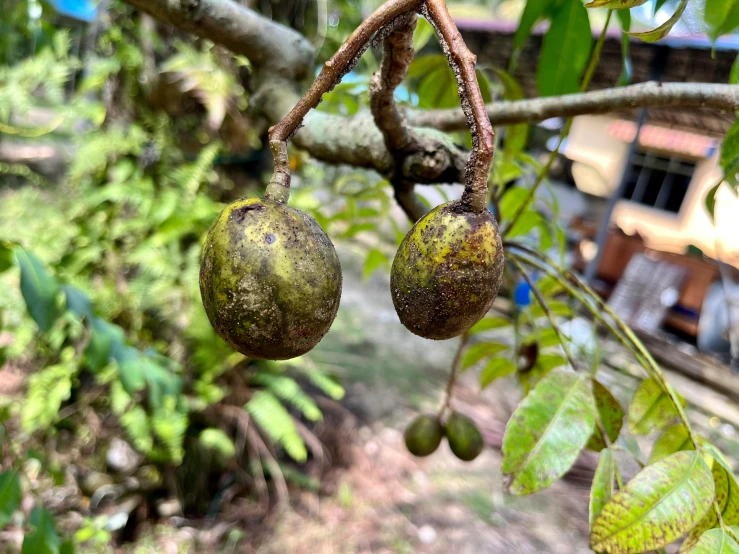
(464,437)
(423,435)
(447,271)
(270,279)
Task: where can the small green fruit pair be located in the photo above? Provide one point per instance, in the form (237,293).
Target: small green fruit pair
(423,436)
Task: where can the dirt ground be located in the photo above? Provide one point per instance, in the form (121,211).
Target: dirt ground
(389,501)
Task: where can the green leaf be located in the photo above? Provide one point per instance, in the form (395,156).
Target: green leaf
(512,201)
(42,538)
(661,32)
(727,498)
(131,370)
(533,12)
(604,483)
(710,201)
(627,68)
(673,439)
(717,541)
(615,4)
(546,433)
(734,73)
(650,409)
(10,495)
(217,440)
(722,17)
(375,260)
(516,136)
(438,89)
(565,51)
(729,157)
(105,339)
(496,368)
(78,302)
(39,288)
(488,323)
(662,503)
(477,352)
(6,256)
(611,415)
(422,34)
(423,65)
(525,223)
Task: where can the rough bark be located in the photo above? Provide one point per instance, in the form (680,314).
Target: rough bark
(281,58)
(650,95)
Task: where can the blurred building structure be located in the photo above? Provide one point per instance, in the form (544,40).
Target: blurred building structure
(659,183)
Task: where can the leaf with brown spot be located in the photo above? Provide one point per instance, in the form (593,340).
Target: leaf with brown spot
(603,487)
(727,498)
(611,414)
(615,4)
(546,433)
(650,409)
(673,439)
(661,32)
(658,506)
(717,541)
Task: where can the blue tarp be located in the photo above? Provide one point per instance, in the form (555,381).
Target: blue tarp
(82,10)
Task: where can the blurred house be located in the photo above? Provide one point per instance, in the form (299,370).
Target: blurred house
(665,178)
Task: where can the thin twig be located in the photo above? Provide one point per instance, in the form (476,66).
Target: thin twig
(462,62)
(544,171)
(343,61)
(630,339)
(448,393)
(400,140)
(563,339)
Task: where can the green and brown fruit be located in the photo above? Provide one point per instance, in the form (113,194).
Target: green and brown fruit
(270,279)
(464,437)
(423,435)
(447,271)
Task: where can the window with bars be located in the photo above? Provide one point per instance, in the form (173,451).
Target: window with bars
(658,181)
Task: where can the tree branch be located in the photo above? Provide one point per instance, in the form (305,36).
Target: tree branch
(400,141)
(281,57)
(650,95)
(397,54)
(266,43)
(341,63)
(462,62)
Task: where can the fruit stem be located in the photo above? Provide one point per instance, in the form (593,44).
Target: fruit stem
(462,62)
(453,375)
(278,188)
(341,63)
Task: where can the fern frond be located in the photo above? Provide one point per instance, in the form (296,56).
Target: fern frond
(47,389)
(288,390)
(272,417)
(136,424)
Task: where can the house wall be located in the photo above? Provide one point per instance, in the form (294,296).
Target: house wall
(599,162)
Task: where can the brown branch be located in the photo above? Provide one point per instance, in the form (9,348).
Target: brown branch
(462,62)
(643,95)
(456,362)
(343,61)
(281,57)
(400,141)
(397,54)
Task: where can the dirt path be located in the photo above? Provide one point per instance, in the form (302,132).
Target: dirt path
(389,501)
